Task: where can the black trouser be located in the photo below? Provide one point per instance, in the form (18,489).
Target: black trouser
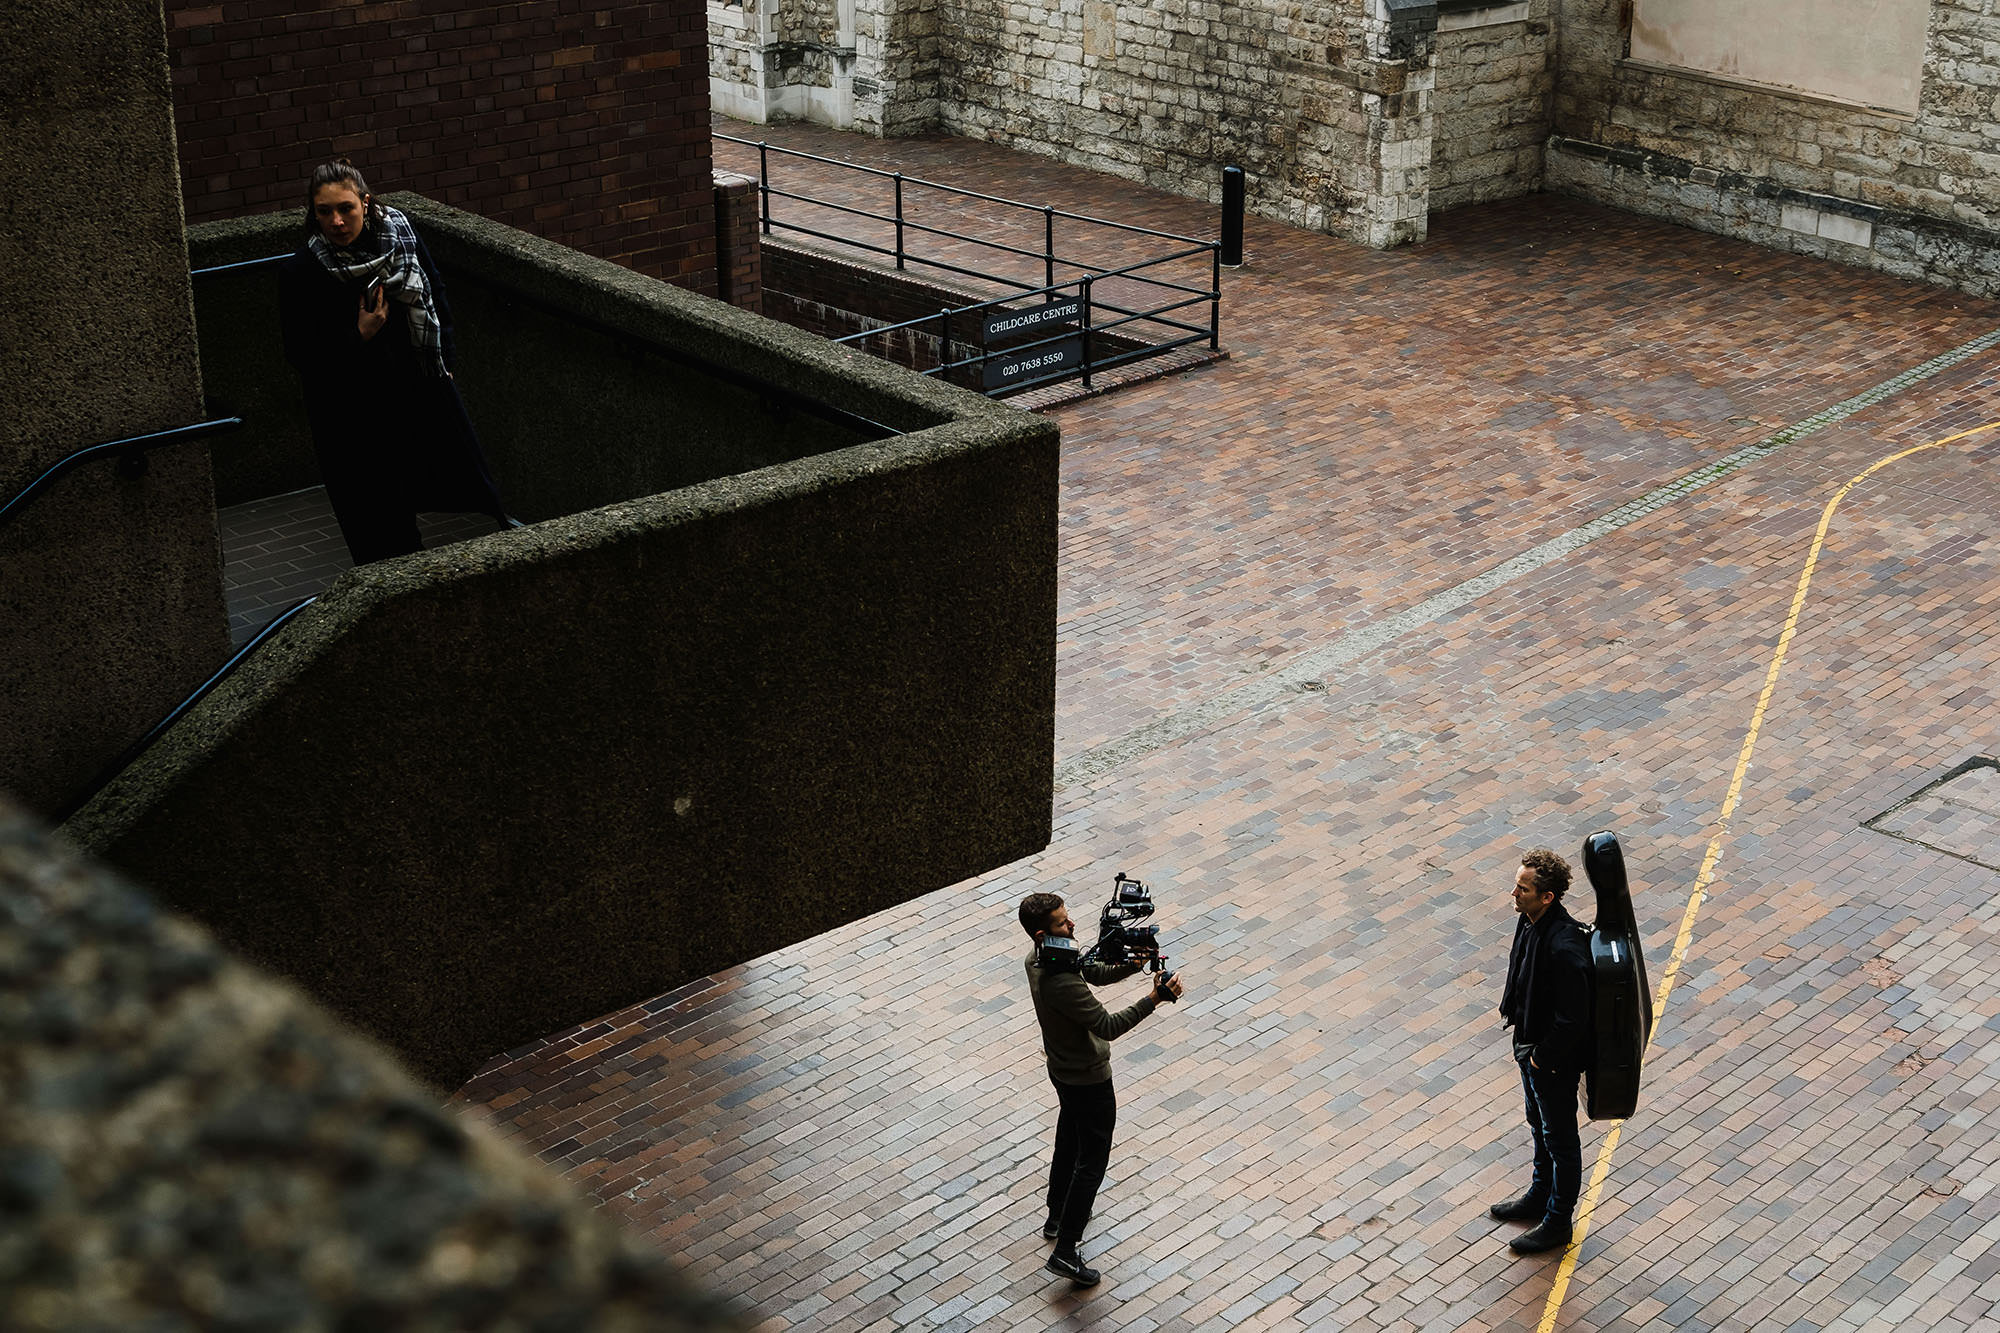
(1551,1096)
(1083,1149)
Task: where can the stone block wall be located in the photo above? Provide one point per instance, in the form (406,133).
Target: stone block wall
(776,60)
(587,125)
(1915,196)
(1495,77)
(1165,93)
(899,50)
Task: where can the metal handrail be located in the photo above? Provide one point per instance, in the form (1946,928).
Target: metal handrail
(130,446)
(130,754)
(1085,277)
(767,147)
(241,263)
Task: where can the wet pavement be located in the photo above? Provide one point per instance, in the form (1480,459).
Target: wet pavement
(1548,525)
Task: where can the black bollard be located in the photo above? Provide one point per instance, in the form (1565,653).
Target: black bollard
(1232,217)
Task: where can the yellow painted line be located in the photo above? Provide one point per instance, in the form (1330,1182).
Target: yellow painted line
(1708,862)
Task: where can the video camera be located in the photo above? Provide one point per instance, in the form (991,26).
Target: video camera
(1120,939)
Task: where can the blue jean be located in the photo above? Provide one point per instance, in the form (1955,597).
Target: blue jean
(1551,1098)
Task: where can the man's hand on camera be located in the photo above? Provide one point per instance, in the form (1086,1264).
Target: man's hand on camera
(1166,987)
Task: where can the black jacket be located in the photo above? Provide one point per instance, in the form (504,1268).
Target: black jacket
(1548,1000)
(387,434)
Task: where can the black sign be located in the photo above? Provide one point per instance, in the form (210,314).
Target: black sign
(1033,363)
(1007,323)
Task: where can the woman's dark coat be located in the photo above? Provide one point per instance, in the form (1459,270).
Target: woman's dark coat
(392,440)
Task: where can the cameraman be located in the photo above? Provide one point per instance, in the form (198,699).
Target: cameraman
(1076,1036)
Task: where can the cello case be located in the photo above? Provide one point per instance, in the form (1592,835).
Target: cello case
(1623,998)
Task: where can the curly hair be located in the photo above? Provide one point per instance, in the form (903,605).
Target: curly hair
(1551,871)
(1036,909)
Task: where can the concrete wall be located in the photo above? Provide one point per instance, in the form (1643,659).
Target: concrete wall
(1912,195)
(572,416)
(479,793)
(192,1144)
(584,124)
(111,596)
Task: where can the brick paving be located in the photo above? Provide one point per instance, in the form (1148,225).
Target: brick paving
(851,1133)
(282,549)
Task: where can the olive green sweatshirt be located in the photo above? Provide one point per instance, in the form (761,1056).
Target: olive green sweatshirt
(1077,1031)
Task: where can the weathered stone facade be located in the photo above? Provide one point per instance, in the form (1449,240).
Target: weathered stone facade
(1361,117)
(1327,109)
(782,61)
(1914,195)
(1495,79)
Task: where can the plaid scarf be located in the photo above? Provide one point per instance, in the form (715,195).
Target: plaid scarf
(396,267)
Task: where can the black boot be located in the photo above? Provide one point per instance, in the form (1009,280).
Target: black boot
(1552,1234)
(1068,1262)
(1528,1208)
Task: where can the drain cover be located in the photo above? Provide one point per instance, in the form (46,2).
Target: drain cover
(1958,815)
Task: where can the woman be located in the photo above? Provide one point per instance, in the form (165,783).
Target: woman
(366,324)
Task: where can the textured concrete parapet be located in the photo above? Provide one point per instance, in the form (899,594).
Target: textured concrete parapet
(188,1143)
(480,793)
(111,581)
(580,402)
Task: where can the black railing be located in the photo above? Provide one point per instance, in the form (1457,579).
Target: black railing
(133,449)
(1083,345)
(130,754)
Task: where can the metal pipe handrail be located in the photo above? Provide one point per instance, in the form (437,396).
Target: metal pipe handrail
(1195,247)
(998,302)
(241,263)
(1196,298)
(131,445)
(852,243)
(768,147)
(778,224)
(130,754)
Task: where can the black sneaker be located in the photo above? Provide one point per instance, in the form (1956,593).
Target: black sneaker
(1069,1263)
(1552,1234)
(1528,1208)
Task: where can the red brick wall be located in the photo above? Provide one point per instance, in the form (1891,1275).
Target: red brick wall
(738,253)
(586,124)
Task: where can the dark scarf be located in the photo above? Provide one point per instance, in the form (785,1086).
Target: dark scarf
(386,252)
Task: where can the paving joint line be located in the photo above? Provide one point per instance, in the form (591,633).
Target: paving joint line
(1308,671)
